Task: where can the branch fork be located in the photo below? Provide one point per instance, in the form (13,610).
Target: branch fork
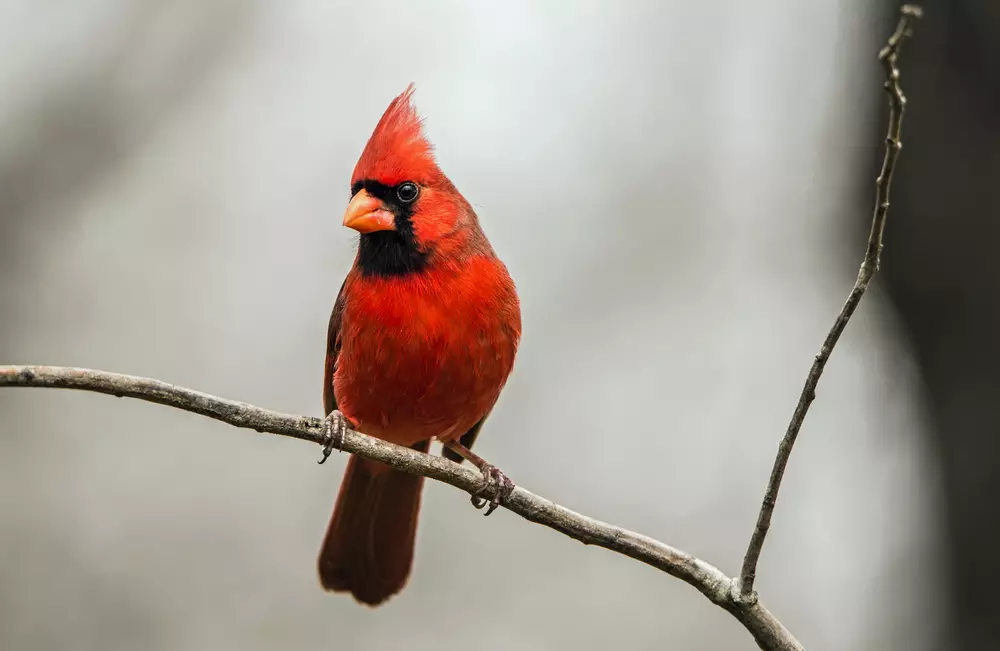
(734,594)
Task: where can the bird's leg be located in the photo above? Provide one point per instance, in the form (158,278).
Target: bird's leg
(334,426)
(498,486)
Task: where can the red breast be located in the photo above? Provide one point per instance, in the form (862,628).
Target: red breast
(426,356)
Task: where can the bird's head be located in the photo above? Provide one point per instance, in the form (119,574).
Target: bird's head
(406,209)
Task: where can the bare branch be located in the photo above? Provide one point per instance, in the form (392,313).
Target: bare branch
(769,633)
(897,102)
(736,596)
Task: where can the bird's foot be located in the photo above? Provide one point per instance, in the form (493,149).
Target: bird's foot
(334,427)
(497,488)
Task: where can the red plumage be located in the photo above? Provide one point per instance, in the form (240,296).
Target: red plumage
(421,341)
(397,150)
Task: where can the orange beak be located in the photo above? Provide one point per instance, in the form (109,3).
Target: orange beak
(367,214)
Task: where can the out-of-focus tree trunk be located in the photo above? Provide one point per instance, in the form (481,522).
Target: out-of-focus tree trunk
(170,192)
(942,271)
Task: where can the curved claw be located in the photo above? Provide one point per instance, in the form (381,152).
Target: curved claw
(334,428)
(497,488)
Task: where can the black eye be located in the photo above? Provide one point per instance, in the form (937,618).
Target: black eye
(407,192)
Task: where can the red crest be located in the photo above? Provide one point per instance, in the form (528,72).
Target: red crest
(397,150)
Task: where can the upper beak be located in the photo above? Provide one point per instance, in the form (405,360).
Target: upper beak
(367,214)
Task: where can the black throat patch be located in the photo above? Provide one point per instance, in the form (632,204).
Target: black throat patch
(389,253)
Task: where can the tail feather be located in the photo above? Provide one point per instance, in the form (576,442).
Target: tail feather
(368,548)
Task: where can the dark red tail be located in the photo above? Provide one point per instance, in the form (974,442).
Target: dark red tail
(368,549)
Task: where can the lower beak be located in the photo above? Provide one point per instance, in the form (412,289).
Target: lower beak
(367,214)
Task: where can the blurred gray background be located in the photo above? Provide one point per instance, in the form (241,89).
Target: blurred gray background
(681,192)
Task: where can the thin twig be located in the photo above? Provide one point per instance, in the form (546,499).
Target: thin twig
(768,632)
(735,596)
(897,103)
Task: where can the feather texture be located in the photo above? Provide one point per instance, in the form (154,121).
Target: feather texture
(421,341)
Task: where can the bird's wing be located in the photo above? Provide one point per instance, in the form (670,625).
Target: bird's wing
(332,352)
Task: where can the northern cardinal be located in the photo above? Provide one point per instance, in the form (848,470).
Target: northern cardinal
(421,341)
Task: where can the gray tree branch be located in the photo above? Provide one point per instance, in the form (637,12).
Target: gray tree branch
(769,633)
(736,596)
(897,102)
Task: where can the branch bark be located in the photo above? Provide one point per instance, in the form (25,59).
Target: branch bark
(869,266)
(769,633)
(737,596)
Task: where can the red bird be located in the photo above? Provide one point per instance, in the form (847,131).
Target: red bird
(421,340)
